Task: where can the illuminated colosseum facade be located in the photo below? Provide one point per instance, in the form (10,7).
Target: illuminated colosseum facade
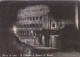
(32,19)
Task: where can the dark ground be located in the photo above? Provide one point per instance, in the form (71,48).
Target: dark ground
(55,53)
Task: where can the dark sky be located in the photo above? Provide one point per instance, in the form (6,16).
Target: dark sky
(59,9)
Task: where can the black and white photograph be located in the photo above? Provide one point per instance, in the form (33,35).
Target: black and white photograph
(39,28)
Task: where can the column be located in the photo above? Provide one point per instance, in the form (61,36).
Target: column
(76,15)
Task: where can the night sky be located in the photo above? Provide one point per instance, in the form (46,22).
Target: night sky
(59,10)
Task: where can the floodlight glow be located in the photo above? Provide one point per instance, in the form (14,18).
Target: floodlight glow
(14,29)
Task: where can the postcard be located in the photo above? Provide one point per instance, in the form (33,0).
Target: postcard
(39,28)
